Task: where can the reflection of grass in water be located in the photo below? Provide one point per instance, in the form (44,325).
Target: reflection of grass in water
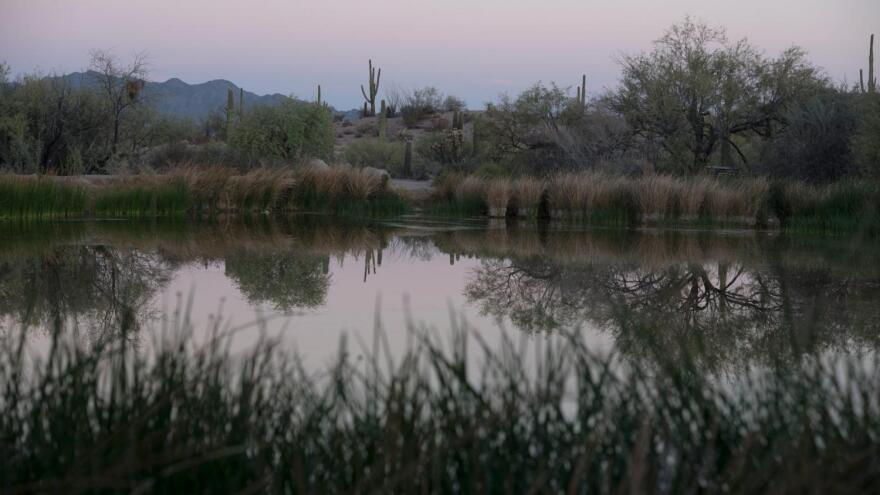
(186,419)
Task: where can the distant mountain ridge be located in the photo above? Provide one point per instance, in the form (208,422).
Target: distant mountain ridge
(179,98)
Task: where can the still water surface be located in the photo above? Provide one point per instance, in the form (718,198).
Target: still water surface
(732,299)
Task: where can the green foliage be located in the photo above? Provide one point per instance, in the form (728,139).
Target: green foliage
(815,143)
(34,197)
(491,170)
(291,131)
(866,141)
(145,199)
(420,104)
(697,89)
(45,125)
(207,419)
(376,153)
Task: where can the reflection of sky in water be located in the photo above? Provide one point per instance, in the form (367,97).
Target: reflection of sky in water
(427,289)
(733,298)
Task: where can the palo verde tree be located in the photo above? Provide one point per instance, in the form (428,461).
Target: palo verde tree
(697,91)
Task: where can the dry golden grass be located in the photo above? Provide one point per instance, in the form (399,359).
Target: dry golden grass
(362,185)
(498,193)
(527,193)
(658,194)
(471,189)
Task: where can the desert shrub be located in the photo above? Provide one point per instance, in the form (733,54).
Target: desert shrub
(447,148)
(366,128)
(419,104)
(866,141)
(490,170)
(376,153)
(815,145)
(453,104)
(291,131)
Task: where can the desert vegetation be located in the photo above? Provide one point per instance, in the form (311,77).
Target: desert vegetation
(772,140)
(193,191)
(607,199)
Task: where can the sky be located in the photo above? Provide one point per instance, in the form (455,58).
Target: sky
(474,49)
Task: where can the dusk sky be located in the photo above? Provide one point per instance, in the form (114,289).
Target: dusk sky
(474,49)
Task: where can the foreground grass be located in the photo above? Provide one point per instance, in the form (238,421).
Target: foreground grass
(199,192)
(196,419)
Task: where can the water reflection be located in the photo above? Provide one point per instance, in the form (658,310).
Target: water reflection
(728,299)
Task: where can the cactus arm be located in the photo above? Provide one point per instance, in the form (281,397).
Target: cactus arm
(872,83)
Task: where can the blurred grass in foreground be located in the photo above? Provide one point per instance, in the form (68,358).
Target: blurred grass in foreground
(182,417)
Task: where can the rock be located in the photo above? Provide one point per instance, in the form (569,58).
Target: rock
(317,165)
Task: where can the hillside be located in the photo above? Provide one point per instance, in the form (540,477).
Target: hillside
(196,101)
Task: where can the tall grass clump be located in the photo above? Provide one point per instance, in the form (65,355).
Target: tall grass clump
(345,190)
(562,195)
(526,194)
(178,417)
(659,197)
(142,197)
(40,197)
(498,194)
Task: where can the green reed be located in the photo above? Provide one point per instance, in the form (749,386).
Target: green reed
(40,197)
(184,418)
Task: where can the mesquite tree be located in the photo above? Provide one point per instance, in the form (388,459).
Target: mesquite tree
(121,86)
(697,90)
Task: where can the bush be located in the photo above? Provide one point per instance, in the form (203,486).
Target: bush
(445,148)
(866,142)
(292,131)
(420,104)
(815,146)
(376,153)
(453,104)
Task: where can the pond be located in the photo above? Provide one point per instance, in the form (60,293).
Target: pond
(729,298)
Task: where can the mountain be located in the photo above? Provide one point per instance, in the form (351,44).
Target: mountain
(196,101)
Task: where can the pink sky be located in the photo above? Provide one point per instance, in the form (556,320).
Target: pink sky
(474,49)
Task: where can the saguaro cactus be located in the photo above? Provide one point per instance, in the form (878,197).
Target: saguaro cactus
(240,103)
(230,110)
(374,89)
(457,120)
(407,157)
(582,92)
(475,137)
(872,81)
(383,121)
(319,95)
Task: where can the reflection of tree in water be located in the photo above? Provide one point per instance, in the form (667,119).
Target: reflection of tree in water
(724,311)
(97,288)
(287,280)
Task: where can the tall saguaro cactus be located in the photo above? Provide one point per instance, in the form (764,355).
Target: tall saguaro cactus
(582,92)
(383,121)
(240,103)
(872,81)
(374,88)
(230,110)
